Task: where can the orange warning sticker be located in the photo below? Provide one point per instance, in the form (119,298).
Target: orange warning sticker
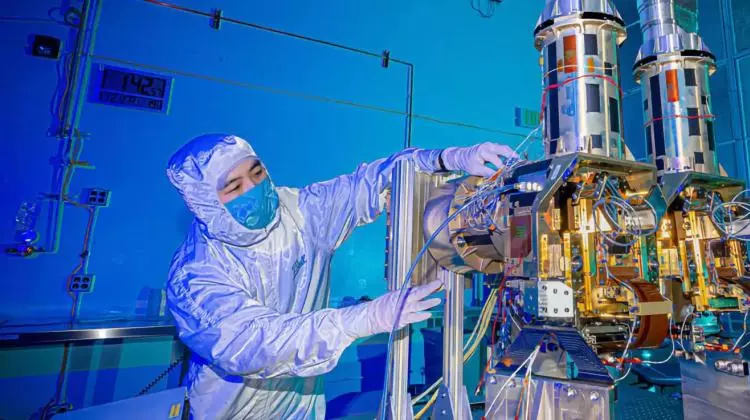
(673,86)
(569,45)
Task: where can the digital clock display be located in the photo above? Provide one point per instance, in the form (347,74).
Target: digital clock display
(130,88)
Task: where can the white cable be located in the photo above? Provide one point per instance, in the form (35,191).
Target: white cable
(646,362)
(513,319)
(630,366)
(484,317)
(531,357)
(627,345)
(528,387)
(682,328)
(744,330)
(631,217)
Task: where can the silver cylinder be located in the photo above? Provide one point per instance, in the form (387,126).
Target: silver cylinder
(578,41)
(657,19)
(673,68)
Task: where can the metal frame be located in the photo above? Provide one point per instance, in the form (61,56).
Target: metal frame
(30,334)
(453,400)
(399,260)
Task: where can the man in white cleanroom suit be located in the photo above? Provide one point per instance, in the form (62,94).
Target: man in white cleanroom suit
(249,286)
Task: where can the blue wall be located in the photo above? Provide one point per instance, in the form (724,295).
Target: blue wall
(284,95)
(312,112)
(467,69)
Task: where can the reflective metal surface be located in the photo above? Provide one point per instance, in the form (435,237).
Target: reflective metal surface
(673,68)
(679,121)
(552,399)
(578,41)
(454,402)
(399,260)
(558,8)
(709,394)
(16,334)
(661,32)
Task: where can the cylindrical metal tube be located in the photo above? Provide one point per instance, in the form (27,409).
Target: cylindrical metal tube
(673,68)
(399,261)
(582,100)
(657,19)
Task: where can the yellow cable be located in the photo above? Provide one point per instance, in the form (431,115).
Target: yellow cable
(484,322)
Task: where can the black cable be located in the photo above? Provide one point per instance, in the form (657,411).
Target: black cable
(161,376)
(477,6)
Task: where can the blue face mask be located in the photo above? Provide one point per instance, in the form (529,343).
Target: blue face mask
(256,208)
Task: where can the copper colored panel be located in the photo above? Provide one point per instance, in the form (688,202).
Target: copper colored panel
(727,273)
(624,273)
(654,328)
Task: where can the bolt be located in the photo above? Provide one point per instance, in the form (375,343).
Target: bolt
(493,380)
(443,412)
(444,395)
(594,396)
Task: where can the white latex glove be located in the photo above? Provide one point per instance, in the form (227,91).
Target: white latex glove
(472,159)
(379,315)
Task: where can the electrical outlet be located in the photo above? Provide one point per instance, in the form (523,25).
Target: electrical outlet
(95,197)
(82,283)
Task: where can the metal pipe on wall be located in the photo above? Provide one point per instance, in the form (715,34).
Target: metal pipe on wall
(67,130)
(69,135)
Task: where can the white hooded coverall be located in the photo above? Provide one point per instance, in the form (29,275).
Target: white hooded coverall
(251,304)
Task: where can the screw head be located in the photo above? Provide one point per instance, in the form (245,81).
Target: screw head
(594,396)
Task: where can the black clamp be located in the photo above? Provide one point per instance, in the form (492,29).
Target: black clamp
(216,19)
(386,58)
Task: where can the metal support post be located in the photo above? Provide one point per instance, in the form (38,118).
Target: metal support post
(453,401)
(399,261)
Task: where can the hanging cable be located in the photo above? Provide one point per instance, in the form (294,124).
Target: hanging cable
(469,349)
(671,354)
(530,361)
(486,11)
